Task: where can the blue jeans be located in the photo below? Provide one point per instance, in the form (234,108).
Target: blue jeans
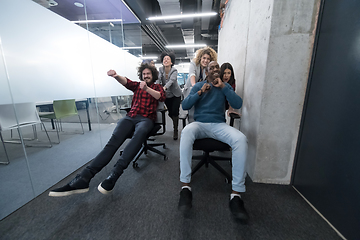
(222,132)
(139,126)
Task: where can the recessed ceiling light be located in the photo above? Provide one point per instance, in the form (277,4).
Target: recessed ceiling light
(52,3)
(78,4)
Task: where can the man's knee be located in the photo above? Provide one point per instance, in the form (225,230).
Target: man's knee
(242,138)
(142,132)
(238,140)
(189,131)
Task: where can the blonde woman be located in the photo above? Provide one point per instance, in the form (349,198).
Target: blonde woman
(197,67)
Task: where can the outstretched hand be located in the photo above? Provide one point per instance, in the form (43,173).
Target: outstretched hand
(111,73)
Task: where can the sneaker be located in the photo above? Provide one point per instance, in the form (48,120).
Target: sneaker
(238,210)
(77,185)
(108,184)
(185,201)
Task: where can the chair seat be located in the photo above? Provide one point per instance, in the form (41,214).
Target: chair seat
(210,145)
(154,130)
(47,114)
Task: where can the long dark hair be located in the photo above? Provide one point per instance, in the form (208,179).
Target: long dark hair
(153,70)
(225,66)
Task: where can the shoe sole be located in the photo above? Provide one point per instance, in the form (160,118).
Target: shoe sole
(102,190)
(63,194)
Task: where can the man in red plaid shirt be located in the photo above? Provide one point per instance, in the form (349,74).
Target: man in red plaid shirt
(139,121)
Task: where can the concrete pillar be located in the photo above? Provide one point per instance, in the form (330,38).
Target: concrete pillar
(269,43)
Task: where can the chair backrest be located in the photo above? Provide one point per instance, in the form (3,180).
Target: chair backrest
(26,115)
(64,108)
(159,115)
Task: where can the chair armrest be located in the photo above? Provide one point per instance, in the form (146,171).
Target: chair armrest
(127,109)
(233,116)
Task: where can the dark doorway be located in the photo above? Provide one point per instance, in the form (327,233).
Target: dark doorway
(327,168)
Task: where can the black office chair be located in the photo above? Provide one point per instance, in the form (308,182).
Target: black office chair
(146,146)
(209,145)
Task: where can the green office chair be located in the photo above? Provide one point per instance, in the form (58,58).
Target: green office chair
(62,109)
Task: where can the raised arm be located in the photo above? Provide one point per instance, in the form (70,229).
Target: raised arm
(118,78)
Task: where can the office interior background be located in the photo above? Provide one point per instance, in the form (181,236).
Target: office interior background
(296,66)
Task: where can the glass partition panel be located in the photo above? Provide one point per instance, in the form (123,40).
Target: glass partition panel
(132,38)
(16,186)
(58,62)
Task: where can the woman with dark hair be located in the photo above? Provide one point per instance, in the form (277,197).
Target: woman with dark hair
(227,75)
(168,79)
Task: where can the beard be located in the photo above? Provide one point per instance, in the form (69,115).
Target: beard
(148,81)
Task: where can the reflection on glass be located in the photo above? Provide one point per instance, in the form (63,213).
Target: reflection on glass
(15,175)
(62,60)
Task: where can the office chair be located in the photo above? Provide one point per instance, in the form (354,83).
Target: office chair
(62,109)
(17,116)
(209,145)
(160,123)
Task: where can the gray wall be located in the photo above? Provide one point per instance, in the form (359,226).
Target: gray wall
(269,43)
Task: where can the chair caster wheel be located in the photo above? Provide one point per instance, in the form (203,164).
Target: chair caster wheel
(227,180)
(166,158)
(135,165)
(164,147)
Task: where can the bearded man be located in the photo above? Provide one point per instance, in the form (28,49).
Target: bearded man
(138,122)
(209,98)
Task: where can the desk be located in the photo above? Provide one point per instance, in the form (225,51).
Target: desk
(49,104)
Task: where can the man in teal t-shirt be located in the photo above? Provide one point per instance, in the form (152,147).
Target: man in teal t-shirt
(208,98)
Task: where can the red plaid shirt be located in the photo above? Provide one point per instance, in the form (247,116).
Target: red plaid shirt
(143,103)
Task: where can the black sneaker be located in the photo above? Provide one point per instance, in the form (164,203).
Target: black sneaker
(108,184)
(185,201)
(238,210)
(77,185)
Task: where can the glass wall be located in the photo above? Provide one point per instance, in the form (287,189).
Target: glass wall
(49,59)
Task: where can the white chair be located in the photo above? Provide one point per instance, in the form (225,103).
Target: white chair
(18,115)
